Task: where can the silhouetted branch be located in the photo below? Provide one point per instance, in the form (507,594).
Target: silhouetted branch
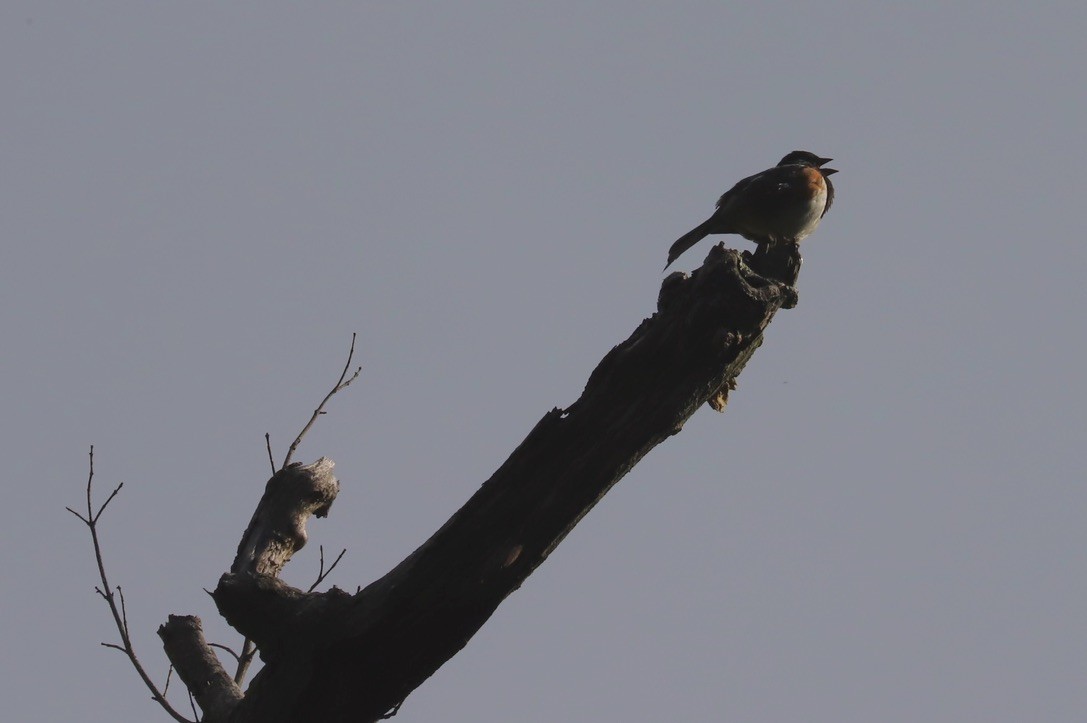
(199,668)
(169,677)
(249,650)
(245,659)
(340,386)
(192,706)
(322,573)
(268,445)
(337,657)
(120,615)
(226,649)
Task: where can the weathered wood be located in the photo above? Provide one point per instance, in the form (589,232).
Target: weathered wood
(199,668)
(278,527)
(338,657)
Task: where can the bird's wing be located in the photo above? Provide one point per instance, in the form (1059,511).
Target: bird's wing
(736,190)
(765,186)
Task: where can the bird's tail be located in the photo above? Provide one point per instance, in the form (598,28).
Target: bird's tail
(688,240)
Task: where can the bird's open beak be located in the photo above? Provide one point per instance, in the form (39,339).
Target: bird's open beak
(824,160)
(828,171)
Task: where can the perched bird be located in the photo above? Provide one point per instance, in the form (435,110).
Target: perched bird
(782,204)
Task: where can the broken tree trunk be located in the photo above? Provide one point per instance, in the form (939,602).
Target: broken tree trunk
(339,657)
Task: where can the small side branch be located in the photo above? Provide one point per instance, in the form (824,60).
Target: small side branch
(342,383)
(115,598)
(322,573)
(249,650)
(268,446)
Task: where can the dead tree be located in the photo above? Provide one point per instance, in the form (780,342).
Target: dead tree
(334,656)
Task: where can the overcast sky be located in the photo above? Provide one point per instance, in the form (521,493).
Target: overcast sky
(202,201)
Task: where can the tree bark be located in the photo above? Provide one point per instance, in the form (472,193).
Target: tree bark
(339,657)
(199,668)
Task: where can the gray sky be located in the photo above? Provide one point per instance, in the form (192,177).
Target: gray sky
(202,201)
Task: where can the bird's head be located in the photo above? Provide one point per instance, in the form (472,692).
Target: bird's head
(804,158)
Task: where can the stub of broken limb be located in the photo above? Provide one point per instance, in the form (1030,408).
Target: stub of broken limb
(278,527)
(731,286)
(198,667)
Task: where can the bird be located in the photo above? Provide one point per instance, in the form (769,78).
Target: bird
(783,204)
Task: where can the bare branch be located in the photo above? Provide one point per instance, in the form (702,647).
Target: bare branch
(322,573)
(108,500)
(198,667)
(340,386)
(192,705)
(268,445)
(124,611)
(227,649)
(81,517)
(249,650)
(120,615)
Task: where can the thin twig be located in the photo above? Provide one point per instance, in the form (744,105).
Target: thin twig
(268,444)
(340,386)
(227,648)
(124,612)
(249,649)
(323,573)
(120,615)
(192,704)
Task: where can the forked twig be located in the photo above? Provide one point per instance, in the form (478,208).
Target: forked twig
(323,573)
(340,386)
(107,593)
